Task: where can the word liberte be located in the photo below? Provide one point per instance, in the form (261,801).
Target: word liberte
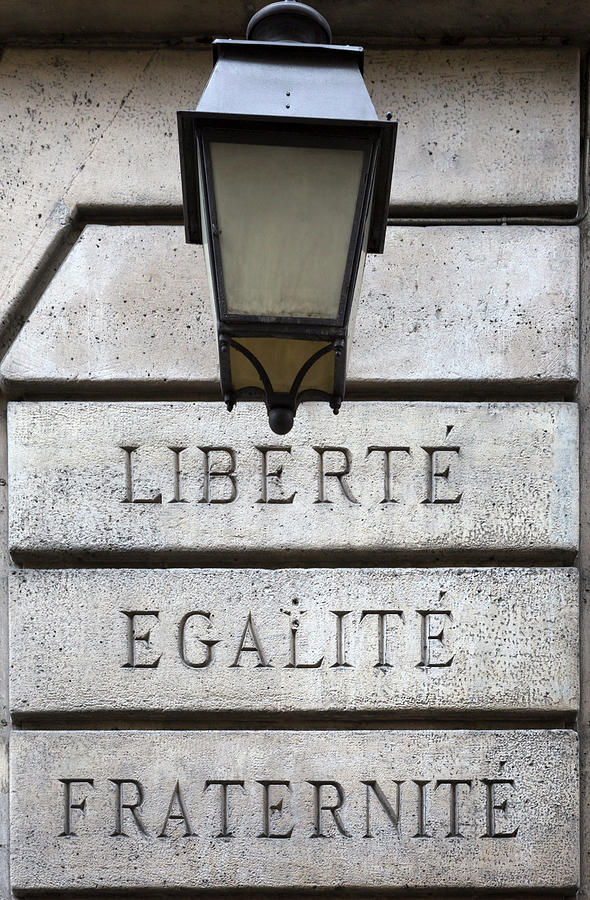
(220,474)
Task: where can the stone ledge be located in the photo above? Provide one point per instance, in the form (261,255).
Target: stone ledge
(507,19)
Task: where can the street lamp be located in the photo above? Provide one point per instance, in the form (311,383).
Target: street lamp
(286,175)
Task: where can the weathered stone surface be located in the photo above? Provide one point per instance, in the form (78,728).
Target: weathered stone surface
(98,128)
(477,127)
(536,773)
(131,305)
(584,557)
(107,640)
(55,107)
(4,652)
(144,139)
(470,479)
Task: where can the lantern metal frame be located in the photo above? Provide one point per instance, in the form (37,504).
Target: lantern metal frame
(217,118)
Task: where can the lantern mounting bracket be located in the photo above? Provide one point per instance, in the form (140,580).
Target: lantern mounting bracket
(291,21)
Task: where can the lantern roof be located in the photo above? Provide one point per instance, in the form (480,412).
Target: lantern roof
(284,85)
(287,79)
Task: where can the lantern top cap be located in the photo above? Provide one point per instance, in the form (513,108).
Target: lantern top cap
(289,20)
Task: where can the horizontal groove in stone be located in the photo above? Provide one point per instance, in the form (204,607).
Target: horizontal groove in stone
(260,558)
(298,894)
(127,391)
(307,720)
(441,213)
(249,562)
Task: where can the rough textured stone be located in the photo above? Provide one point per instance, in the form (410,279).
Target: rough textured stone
(584,559)
(55,107)
(4,652)
(131,305)
(540,795)
(480,128)
(59,106)
(35,272)
(507,484)
(78,640)
(144,138)
(476,128)
(98,128)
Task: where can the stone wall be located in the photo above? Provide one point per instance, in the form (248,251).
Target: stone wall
(381,655)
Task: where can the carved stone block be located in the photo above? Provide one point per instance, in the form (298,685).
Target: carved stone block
(370,809)
(472,125)
(398,481)
(225,642)
(477,127)
(130,308)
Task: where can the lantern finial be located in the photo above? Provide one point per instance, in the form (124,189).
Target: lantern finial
(280,419)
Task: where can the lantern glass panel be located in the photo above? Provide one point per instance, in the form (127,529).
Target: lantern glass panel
(284,220)
(282,358)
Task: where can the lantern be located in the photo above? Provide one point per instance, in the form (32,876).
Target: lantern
(286,175)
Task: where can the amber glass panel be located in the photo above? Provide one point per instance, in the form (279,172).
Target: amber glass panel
(282,359)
